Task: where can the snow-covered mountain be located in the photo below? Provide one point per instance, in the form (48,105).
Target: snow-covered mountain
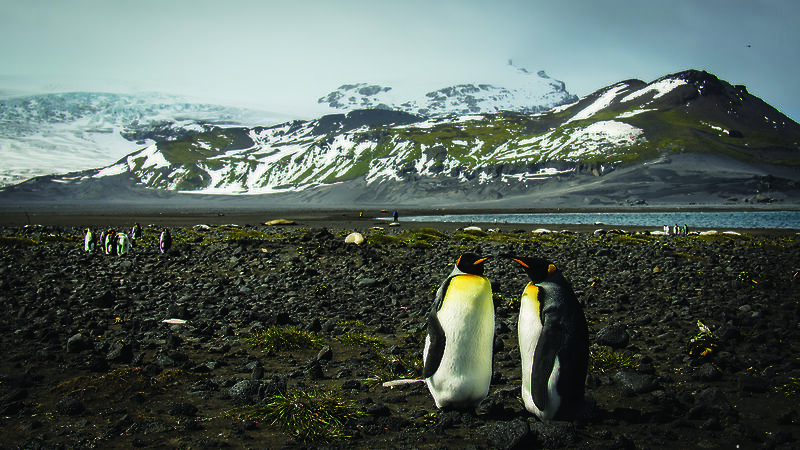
(632,131)
(64,132)
(515,90)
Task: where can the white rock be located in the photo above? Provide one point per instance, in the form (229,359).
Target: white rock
(354,238)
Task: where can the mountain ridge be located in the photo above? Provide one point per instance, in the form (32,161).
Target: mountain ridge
(520,91)
(649,131)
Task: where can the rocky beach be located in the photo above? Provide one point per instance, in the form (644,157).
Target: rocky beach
(694,339)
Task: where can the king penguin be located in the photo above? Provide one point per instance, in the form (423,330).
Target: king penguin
(111,243)
(89,241)
(553,343)
(165,241)
(123,244)
(458,347)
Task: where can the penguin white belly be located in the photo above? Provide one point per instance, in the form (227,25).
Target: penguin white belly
(528,331)
(123,244)
(467,318)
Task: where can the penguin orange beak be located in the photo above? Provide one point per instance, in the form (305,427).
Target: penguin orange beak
(520,263)
(479,261)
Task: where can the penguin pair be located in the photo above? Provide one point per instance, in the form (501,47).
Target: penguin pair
(552,332)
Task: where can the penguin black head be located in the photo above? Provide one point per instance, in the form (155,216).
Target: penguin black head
(470,263)
(538,269)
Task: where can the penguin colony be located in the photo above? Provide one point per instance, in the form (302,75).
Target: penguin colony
(113,243)
(552,332)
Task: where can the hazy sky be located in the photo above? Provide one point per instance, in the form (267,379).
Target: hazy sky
(283,55)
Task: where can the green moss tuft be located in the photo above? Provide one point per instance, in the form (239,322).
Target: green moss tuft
(11,241)
(310,415)
(284,338)
(383,239)
(604,361)
(790,388)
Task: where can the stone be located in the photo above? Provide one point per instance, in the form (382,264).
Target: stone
(638,383)
(507,435)
(614,335)
(707,372)
(70,406)
(78,343)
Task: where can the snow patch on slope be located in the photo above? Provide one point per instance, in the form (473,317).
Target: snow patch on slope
(601,103)
(661,88)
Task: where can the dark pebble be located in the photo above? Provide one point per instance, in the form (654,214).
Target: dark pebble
(507,435)
(707,372)
(614,335)
(70,406)
(638,383)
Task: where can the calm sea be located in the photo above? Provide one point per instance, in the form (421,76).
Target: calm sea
(733,219)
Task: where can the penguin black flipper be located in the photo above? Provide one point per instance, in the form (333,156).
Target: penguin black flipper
(547,349)
(436,347)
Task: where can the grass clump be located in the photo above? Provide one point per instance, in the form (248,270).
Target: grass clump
(604,361)
(12,241)
(790,388)
(362,340)
(475,233)
(703,344)
(278,339)
(354,323)
(425,237)
(321,290)
(628,239)
(310,415)
(511,303)
(58,239)
(388,368)
(383,239)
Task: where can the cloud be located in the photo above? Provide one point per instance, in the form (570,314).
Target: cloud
(289,53)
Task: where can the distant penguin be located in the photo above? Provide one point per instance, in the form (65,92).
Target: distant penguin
(165,241)
(136,233)
(89,241)
(123,244)
(553,343)
(458,347)
(111,243)
(102,241)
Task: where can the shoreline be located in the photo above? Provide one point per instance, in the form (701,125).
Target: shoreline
(342,218)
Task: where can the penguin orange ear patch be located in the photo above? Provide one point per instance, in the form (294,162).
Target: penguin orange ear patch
(551,269)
